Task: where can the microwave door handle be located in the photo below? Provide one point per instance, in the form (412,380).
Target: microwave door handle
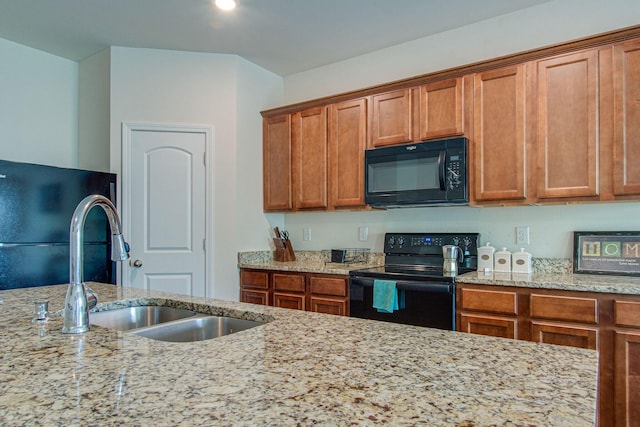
(441,170)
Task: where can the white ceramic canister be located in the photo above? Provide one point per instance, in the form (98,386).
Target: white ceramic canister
(485,258)
(502,261)
(521,262)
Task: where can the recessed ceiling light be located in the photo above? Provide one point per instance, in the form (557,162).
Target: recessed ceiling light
(226,4)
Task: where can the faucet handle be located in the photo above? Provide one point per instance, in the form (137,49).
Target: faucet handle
(119,248)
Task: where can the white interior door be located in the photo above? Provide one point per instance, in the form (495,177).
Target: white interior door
(165,213)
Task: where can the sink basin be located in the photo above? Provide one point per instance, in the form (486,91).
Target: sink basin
(124,319)
(196,329)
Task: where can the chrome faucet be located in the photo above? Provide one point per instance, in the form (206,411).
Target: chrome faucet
(76,306)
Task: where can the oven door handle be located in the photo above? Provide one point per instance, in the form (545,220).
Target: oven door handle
(433,287)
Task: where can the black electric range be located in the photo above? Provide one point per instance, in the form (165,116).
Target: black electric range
(414,262)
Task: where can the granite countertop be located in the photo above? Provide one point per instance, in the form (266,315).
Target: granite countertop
(549,273)
(301,368)
(558,281)
(307,262)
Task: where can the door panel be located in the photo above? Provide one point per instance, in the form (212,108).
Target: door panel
(167,210)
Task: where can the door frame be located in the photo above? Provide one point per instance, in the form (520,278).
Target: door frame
(124,202)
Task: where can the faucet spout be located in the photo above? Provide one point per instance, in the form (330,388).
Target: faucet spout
(76,306)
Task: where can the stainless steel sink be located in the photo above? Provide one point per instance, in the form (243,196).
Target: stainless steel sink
(168,323)
(196,329)
(124,319)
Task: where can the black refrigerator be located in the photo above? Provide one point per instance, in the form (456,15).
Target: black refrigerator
(36,206)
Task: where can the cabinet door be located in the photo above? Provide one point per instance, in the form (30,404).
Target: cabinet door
(391,121)
(499,138)
(627,378)
(567,115)
(293,301)
(562,334)
(494,326)
(254,296)
(276,158)
(626,145)
(347,143)
(310,159)
(441,106)
(337,306)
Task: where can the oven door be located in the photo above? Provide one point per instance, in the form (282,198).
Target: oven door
(427,303)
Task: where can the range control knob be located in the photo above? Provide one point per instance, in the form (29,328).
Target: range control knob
(456,241)
(391,241)
(400,241)
(466,242)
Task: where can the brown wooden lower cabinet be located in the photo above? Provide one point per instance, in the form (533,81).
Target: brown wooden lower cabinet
(254,296)
(572,336)
(329,305)
(322,293)
(607,323)
(295,301)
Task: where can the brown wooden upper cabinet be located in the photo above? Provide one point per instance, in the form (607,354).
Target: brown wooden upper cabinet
(391,118)
(309,158)
(441,109)
(626,146)
(276,158)
(499,135)
(347,143)
(567,140)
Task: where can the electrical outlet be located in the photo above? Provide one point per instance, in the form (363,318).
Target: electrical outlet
(522,235)
(306,234)
(363,234)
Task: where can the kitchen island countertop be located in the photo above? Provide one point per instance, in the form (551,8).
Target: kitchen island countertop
(301,368)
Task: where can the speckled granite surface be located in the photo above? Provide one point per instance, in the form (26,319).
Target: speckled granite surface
(306,261)
(559,281)
(299,369)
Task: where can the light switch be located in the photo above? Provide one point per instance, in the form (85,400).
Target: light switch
(306,234)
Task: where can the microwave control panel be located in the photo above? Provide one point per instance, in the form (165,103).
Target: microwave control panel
(456,172)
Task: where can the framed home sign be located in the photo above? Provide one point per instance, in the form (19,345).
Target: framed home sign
(606,252)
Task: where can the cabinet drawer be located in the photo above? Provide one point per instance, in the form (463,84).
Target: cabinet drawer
(583,310)
(627,313)
(573,336)
(492,301)
(288,282)
(328,286)
(254,279)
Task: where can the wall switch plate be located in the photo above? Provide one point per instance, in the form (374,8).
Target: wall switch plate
(522,235)
(363,234)
(306,234)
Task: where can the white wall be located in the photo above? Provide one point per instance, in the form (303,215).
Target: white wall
(546,24)
(94,112)
(224,92)
(550,226)
(38,106)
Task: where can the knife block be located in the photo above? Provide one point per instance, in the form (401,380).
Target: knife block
(284,250)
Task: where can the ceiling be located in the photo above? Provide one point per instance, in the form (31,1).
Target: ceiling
(283,36)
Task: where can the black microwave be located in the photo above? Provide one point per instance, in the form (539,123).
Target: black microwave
(422,174)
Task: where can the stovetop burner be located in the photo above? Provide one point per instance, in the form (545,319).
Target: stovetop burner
(418,256)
